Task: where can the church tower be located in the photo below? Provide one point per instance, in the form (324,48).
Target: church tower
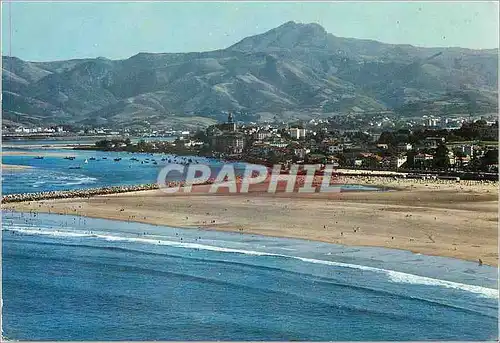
(229,125)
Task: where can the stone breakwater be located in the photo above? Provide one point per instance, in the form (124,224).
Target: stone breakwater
(89,192)
(79,193)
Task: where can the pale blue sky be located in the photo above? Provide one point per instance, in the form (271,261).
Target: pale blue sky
(61,30)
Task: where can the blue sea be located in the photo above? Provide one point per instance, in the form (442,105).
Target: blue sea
(77,278)
(74,278)
(54,172)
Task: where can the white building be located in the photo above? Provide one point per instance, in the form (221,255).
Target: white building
(191,143)
(278,144)
(398,161)
(405,146)
(468,150)
(433,142)
(297,133)
(432,122)
(335,148)
(421,158)
(301,152)
(262,134)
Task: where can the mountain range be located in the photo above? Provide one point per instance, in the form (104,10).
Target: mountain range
(293,71)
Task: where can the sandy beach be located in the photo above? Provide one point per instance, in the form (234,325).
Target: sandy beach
(35,153)
(429,217)
(14,167)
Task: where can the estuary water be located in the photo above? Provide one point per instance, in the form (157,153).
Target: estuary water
(54,172)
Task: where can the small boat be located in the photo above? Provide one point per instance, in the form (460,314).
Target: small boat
(39,158)
(92,158)
(77,167)
(104,158)
(118,159)
(86,161)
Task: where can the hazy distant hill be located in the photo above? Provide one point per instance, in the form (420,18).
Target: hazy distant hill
(294,70)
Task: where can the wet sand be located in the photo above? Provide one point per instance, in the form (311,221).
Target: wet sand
(42,146)
(14,167)
(430,217)
(36,153)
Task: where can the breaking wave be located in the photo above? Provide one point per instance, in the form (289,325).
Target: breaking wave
(393,276)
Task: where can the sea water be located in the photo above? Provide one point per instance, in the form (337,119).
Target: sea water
(55,173)
(77,278)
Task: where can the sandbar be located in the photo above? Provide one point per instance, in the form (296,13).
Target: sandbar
(432,217)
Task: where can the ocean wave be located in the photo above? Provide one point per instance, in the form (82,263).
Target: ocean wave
(82,181)
(393,276)
(72,179)
(55,178)
(400,277)
(317,280)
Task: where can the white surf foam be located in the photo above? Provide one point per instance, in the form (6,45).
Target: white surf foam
(393,276)
(69,180)
(62,179)
(81,181)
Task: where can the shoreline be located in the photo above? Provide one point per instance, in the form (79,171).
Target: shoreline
(15,167)
(21,152)
(432,217)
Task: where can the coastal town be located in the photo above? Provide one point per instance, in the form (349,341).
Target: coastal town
(470,148)
(236,171)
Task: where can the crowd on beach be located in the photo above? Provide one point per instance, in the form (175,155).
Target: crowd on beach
(403,181)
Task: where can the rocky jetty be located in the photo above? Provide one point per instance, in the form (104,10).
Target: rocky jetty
(89,192)
(77,193)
